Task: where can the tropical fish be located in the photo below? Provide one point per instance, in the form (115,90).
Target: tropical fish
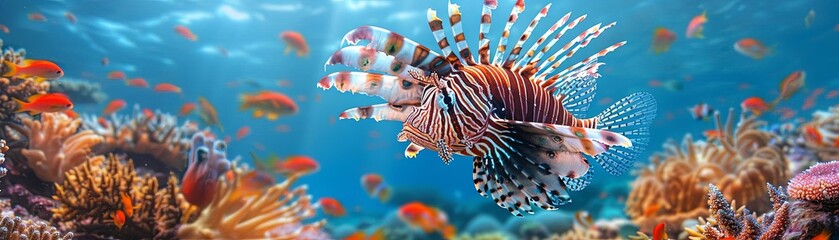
(4,29)
(243,132)
(50,102)
(662,38)
(70,17)
(712,134)
(375,186)
(36,17)
(791,84)
(116,75)
(832,94)
(756,105)
(660,232)
(295,165)
(268,104)
(207,162)
(379,234)
(186,33)
(186,109)
(105,61)
(251,183)
(167,87)
(813,135)
(39,69)
(119,219)
(127,204)
(512,113)
(701,111)
(752,48)
(427,219)
(102,122)
(332,207)
(71,114)
(696,27)
(148,113)
(208,113)
(114,106)
(137,82)
(295,41)
(808,20)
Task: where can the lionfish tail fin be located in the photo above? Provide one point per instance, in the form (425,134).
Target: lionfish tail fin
(630,117)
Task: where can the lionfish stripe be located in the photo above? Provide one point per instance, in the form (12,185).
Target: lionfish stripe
(532,51)
(393,44)
(436,25)
(514,54)
(502,43)
(486,22)
(460,38)
(378,112)
(587,63)
(395,90)
(578,47)
(553,58)
(556,38)
(630,117)
(369,59)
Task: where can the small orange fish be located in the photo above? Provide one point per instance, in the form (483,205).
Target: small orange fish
(652,209)
(105,61)
(148,113)
(428,219)
(297,165)
(242,132)
(813,135)
(209,114)
(50,102)
(662,39)
(119,219)
(102,122)
(756,105)
(36,17)
(71,114)
(114,106)
(70,17)
(824,235)
(752,48)
(696,27)
(332,207)
(268,104)
(4,29)
(832,94)
(660,232)
(186,33)
(295,41)
(127,205)
(186,109)
(251,183)
(40,69)
(379,234)
(791,84)
(116,75)
(137,82)
(167,87)
(375,186)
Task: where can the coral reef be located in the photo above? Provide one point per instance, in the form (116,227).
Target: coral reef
(672,189)
(55,146)
(19,229)
(277,214)
(484,236)
(3,149)
(814,201)
(741,223)
(20,88)
(82,92)
(821,134)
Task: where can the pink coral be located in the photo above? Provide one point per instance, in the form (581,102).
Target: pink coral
(819,183)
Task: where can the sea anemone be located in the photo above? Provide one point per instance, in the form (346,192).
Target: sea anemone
(55,145)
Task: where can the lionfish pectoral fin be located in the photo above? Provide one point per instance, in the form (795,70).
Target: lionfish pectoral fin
(564,138)
(631,118)
(403,49)
(575,94)
(369,59)
(378,112)
(393,89)
(412,150)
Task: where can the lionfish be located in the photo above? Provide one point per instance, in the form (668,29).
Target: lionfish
(522,123)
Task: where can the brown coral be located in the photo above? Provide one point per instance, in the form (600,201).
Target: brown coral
(19,229)
(276,214)
(728,223)
(55,146)
(672,189)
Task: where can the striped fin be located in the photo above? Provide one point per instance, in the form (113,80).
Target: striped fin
(396,91)
(578,184)
(582,36)
(575,94)
(630,117)
(588,68)
(486,22)
(556,38)
(436,26)
(532,51)
(367,59)
(514,54)
(575,139)
(412,150)
(460,39)
(587,39)
(378,112)
(502,43)
(393,44)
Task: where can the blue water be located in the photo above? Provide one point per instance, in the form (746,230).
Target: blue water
(138,38)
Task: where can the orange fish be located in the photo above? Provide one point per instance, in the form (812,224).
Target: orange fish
(269,104)
(167,87)
(4,29)
(652,209)
(148,113)
(50,102)
(36,17)
(186,109)
(114,106)
(119,219)
(116,75)
(756,105)
(297,165)
(186,33)
(791,84)
(379,234)
(332,207)
(428,219)
(662,39)
(375,186)
(105,61)
(813,135)
(209,114)
(752,48)
(127,205)
(251,183)
(824,235)
(40,69)
(295,41)
(137,82)
(696,27)
(71,114)
(242,132)
(70,17)
(102,122)
(660,232)
(832,94)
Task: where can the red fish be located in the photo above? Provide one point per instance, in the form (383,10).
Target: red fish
(105,61)
(251,183)
(50,102)
(119,219)
(701,111)
(832,94)
(127,204)
(167,87)
(662,39)
(427,219)
(295,41)
(71,114)
(375,186)
(114,106)
(813,135)
(70,17)
(4,29)
(825,234)
(36,17)
(186,109)
(186,33)
(756,105)
(751,47)
(137,82)
(40,69)
(116,75)
(102,122)
(791,84)
(660,232)
(269,104)
(209,114)
(696,27)
(379,234)
(148,113)
(297,165)
(243,132)
(712,134)
(332,207)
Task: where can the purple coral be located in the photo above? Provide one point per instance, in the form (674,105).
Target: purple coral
(820,183)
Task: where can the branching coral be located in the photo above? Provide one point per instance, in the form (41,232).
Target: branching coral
(13,87)
(55,145)
(82,92)
(278,213)
(3,149)
(19,229)
(728,223)
(672,189)
(172,210)
(146,139)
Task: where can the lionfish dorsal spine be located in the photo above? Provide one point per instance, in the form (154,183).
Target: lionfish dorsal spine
(455,18)
(553,58)
(502,43)
(532,51)
(571,25)
(436,25)
(514,54)
(486,22)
